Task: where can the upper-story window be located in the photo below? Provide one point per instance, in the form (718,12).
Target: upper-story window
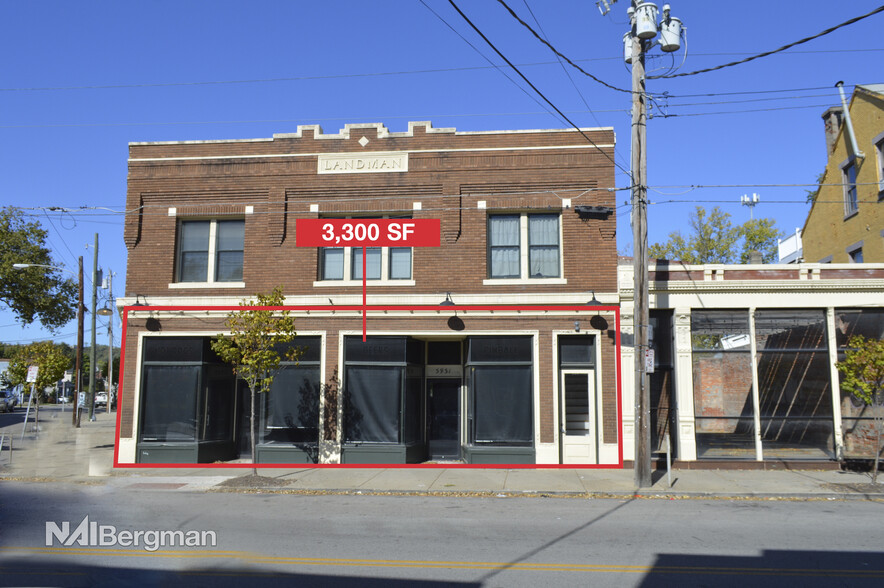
(879,154)
(343,265)
(524,246)
(210,251)
(848,179)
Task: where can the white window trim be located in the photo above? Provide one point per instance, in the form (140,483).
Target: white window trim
(210,270)
(845,187)
(878,143)
(524,253)
(348,264)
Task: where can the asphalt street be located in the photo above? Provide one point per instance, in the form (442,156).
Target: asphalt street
(348,540)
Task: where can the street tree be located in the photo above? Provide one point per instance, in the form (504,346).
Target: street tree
(714,239)
(38,293)
(863,376)
(50,361)
(256,334)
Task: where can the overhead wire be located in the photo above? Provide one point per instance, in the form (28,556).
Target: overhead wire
(768,53)
(361,75)
(476,49)
(533,87)
(567,73)
(557,52)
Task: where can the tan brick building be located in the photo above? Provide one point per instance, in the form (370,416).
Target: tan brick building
(518,370)
(846,222)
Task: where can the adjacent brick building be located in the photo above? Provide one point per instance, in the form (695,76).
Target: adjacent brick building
(518,370)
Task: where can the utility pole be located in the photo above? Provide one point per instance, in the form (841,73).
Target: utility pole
(641,312)
(110,340)
(637,42)
(79,360)
(90,397)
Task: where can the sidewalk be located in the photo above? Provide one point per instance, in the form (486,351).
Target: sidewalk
(61,453)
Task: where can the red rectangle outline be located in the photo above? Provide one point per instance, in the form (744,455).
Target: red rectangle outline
(618,369)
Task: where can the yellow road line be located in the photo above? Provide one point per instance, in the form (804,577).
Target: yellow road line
(257,558)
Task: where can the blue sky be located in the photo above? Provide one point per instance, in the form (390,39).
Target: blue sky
(80,80)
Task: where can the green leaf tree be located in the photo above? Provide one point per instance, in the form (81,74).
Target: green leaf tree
(760,235)
(37,293)
(862,374)
(252,346)
(714,239)
(51,361)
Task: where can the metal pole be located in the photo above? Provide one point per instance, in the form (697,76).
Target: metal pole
(110,339)
(642,464)
(79,361)
(90,397)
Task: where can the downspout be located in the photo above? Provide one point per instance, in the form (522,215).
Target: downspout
(854,147)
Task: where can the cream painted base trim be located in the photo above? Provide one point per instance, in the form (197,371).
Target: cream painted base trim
(608,453)
(127,450)
(547,453)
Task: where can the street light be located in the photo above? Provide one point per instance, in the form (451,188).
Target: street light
(108,312)
(75,415)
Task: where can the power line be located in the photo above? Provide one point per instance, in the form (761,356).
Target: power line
(533,87)
(476,49)
(739,111)
(557,52)
(767,53)
(740,93)
(567,73)
(790,98)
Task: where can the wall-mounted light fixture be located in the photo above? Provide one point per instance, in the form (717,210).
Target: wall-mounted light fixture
(448,301)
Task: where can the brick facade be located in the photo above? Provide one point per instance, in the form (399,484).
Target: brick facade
(459,178)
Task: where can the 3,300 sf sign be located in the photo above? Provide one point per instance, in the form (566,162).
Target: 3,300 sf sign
(367,232)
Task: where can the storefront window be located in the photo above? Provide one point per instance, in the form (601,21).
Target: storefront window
(794,388)
(291,406)
(169,402)
(722,373)
(858,418)
(187,393)
(501,390)
(382,405)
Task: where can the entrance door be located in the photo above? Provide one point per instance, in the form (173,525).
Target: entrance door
(577,418)
(443,418)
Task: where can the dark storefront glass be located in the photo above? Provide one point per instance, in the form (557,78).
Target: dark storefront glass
(168,410)
(501,390)
(291,406)
(217,406)
(722,374)
(187,393)
(374,397)
(382,405)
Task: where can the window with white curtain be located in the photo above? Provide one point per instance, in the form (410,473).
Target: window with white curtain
(524,246)
(383,264)
(210,251)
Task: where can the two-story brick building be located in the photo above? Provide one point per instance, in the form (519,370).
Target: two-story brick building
(518,370)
